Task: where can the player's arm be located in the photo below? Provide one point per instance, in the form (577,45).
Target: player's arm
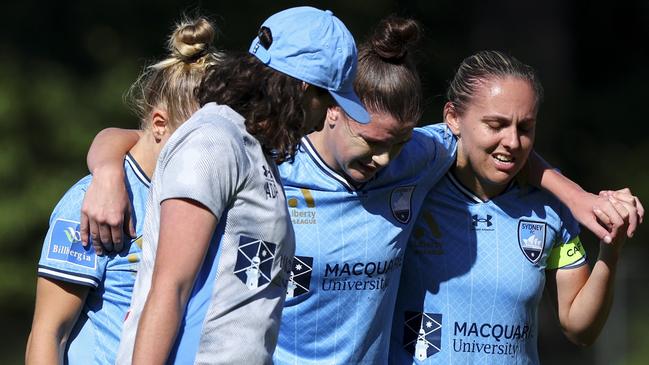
(58,305)
(593,211)
(186,229)
(106,210)
(583,299)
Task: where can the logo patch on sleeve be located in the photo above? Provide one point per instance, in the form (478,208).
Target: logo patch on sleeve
(254,262)
(531,239)
(65,245)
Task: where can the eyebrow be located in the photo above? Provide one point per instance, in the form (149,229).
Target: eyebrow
(501,119)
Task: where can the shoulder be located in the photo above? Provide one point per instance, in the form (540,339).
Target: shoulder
(213,132)
(69,206)
(215,121)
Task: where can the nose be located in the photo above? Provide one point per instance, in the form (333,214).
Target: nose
(511,138)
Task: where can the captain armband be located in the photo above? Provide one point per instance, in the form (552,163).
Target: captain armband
(567,255)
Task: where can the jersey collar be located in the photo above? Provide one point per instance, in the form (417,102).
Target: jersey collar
(137,170)
(470,194)
(313,153)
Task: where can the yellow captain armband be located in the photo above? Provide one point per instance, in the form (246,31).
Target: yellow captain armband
(566,254)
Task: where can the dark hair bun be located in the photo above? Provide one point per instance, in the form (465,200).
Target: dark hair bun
(394,36)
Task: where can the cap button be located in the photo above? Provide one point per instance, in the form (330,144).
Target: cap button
(329,12)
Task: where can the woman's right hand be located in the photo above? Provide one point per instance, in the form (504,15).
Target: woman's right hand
(106,211)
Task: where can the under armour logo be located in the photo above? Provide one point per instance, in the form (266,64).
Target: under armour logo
(477,220)
(267,173)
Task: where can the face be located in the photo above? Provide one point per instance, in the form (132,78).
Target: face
(316,103)
(359,151)
(496,134)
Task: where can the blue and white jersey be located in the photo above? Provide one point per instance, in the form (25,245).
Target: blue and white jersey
(474,273)
(349,250)
(95,336)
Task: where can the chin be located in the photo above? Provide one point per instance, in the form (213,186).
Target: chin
(358,177)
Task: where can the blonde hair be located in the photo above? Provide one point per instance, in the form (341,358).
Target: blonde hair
(171,83)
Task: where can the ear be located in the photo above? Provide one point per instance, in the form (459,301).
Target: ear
(452,118)
(334,116)
(159,123)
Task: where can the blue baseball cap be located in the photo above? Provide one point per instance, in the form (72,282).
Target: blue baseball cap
(314,46)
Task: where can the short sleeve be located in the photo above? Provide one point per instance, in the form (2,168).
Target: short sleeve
(567,252)
(207,166)
(63,257)
(440,143)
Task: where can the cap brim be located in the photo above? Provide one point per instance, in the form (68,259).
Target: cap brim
(352,105)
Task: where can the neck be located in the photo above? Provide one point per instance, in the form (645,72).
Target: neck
(319,141)
(466,175)
(146,152)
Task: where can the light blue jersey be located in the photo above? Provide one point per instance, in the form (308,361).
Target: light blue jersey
(474,273)
(95,336)
(349,250)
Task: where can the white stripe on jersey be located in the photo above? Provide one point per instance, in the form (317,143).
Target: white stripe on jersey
(65,276)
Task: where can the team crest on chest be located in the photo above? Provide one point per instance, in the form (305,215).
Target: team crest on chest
(531,239)
(400,202)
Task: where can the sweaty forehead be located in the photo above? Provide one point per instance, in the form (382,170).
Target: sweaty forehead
(505,95)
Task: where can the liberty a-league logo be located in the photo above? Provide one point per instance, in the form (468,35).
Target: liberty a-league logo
(400,203)
(254,262)
(65,245)
(300,277)
(422,334)
(531,239)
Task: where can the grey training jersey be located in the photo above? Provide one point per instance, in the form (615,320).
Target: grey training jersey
(233,313)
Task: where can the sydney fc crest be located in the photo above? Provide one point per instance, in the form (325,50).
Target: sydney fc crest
(254,262)
(531,239)
(400,203)
(422,334)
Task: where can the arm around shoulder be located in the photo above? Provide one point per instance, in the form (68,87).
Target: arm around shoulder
(105,213)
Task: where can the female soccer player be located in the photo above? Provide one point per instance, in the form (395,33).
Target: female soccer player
(476,265)
(352,209)
(218,240)
(82,298)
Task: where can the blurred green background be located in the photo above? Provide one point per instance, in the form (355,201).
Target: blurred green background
(65,65)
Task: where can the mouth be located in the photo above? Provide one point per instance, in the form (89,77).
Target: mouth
(504,161)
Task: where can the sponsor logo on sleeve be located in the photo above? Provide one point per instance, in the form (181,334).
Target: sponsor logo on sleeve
(531,239)
(400,203)
(254,262)
(65,245)
(422,334)
(300,276)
